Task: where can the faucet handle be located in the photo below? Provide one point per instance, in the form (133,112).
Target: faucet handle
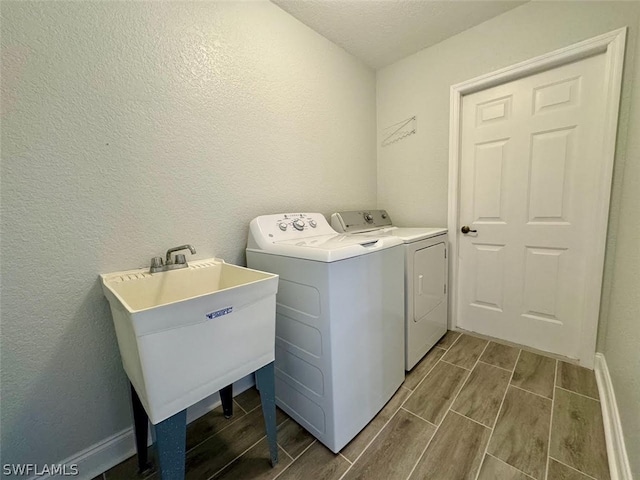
(180,259)
(156,264)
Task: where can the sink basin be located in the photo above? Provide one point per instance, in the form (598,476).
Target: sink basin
(185,334)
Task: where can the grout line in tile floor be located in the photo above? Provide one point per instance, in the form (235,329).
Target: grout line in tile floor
(285,452)
(422,453)
(200,443)
(418,416)
(239,406)
(495,420)
(348,461)
(350,467)
(310,445)
(283,449)
(407,389)
(376,435)
(420,382)
(208,438)
(553,402)
(219,430)
(496,366)
(576,393)
(237,457)
(511,466)
(373,440)
(429,371)
(459,366)
(529,391)
(299,455)
(454,342)
(469,418)
(573,468)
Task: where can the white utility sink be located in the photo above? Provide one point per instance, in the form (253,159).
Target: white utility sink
(185,334)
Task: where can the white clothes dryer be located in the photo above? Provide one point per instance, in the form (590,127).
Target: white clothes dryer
(425,279)
(339,353)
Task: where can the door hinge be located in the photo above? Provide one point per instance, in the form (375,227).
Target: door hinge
(445,253)
(445,288)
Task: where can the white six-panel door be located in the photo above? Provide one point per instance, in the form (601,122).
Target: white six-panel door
(529,182)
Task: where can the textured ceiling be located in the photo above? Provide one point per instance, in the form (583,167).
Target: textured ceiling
(380,32)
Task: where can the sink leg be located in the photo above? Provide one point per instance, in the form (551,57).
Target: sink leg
(141,429)
(265,380)
(226,397)
(171,435)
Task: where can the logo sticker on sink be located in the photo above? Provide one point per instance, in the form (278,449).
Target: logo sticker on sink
(219,313)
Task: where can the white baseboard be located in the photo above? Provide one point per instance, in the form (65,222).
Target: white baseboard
(111,451)
(616,450)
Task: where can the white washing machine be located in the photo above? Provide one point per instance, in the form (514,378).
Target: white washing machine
(339,321)
(426,276)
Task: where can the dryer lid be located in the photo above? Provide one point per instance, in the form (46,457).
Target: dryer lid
(410,235)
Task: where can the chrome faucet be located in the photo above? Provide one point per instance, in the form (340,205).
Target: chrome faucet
(179,261)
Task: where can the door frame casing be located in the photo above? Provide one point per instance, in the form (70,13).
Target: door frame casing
(612,46)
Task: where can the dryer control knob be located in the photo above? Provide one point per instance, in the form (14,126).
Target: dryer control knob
(368,217)
(283,226)
(298,224)
(313,223)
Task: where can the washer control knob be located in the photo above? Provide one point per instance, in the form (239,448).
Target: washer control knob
(283,226)
(384,215)
(298,224)
(368,217)
(313,223)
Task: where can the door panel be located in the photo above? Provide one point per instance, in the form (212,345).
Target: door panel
(489,281)
(528,184)
(493,111)
(488,198)
(562,94)
(429,270)
(542,283)
(549,184)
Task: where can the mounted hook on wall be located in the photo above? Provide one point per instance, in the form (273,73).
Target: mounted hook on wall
(399,130)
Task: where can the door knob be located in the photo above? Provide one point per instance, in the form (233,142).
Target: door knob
(465,229)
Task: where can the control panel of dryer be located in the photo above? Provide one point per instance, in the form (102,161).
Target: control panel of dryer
(360,221)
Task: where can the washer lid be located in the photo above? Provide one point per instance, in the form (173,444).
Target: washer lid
(329,248)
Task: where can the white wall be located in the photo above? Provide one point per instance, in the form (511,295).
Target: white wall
(622,340)
(413,173)
(129,128)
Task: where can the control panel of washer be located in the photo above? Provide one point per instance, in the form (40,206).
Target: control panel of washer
(287,226)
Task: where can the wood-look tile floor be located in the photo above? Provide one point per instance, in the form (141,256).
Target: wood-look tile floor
(471,409)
